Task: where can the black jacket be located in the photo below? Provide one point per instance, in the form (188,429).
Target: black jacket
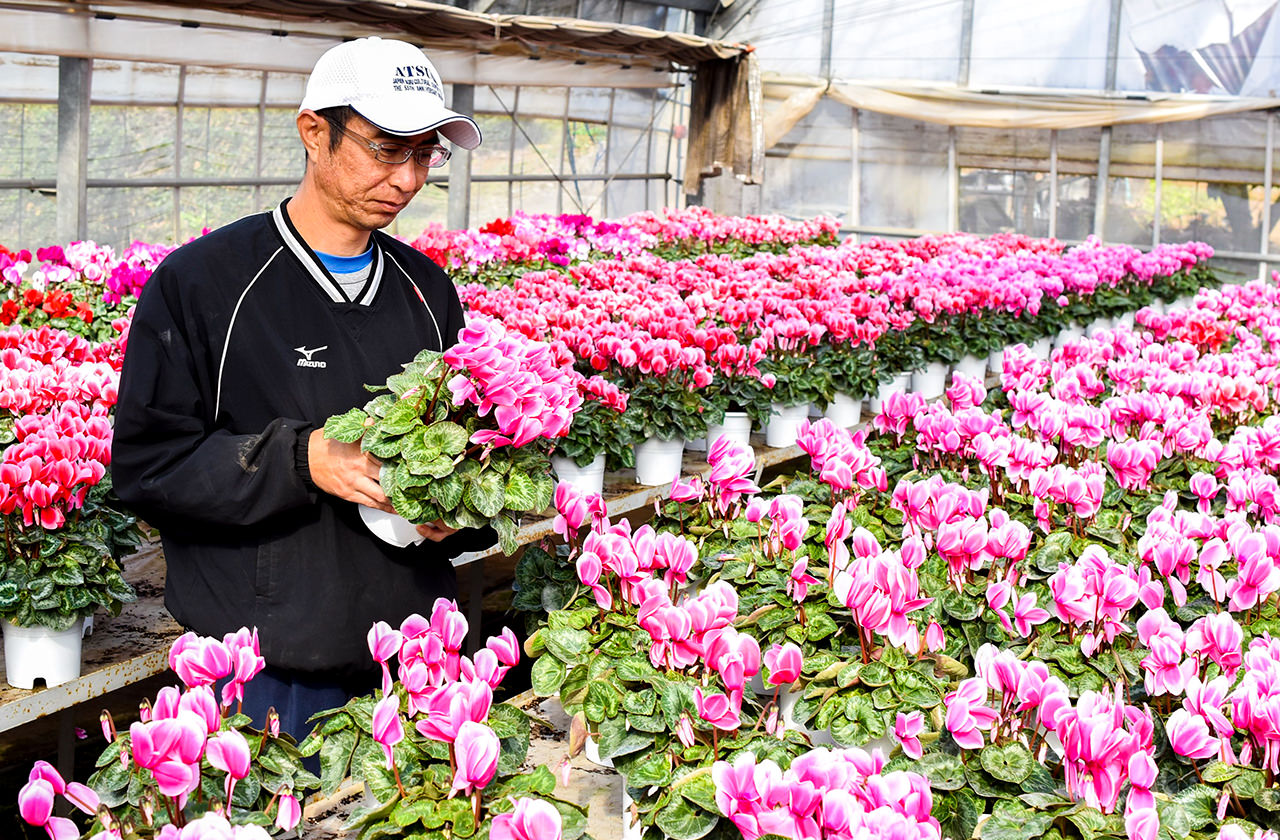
(235,354)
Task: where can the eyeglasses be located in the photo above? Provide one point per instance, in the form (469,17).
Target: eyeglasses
(428,156)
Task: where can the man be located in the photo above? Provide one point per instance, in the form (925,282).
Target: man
(246,340)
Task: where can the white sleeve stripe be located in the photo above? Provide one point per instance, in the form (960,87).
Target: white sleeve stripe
(226,343)
(439,335)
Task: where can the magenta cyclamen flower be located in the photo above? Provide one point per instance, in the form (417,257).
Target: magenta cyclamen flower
(531,819)
(906,729)
(717,709)
(968,714)
(732,465)
(388,729)
(784,663)
(475,751)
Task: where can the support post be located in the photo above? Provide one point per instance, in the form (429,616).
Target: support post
(1159,197)
(828,25)
(464,101)
(966,42)
(74,78)
(855,177)
(1053,182)
(953,181)
(1267,180)
(1100,191)
(178,147)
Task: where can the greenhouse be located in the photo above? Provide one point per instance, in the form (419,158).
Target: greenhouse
(639,419)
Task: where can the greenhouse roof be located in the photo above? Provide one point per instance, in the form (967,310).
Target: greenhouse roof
(438,25)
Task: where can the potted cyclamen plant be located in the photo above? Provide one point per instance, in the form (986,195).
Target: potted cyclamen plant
(740,395)
(438,756)
(666,405)
(799,382)
(465,436)
(595,439)
(62,535)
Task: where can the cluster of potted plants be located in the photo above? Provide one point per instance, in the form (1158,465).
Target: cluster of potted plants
(774,334)
(1054,601)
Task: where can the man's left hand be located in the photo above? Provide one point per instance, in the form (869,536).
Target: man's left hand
(436,531)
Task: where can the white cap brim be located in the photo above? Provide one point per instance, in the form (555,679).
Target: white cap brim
(458,129)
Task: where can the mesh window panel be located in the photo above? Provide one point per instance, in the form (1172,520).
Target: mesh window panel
(118,216)
(808,172)
(1004,201)
(28,219)
(493,155)
(30,140)
(1066,46)
(488,202)
(890,39)
(213,207)
(128,141)
(219,142)
(533,197)
(431,205)
(1214,172)
(903,173)
(282,152)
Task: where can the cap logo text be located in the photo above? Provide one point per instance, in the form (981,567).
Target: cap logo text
(417,77)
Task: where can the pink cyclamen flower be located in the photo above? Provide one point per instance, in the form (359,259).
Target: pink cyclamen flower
(384,643)
(531,819)
(289,813)
(229,752)
(388,728)
(784,663)
(717,709)
(906,729)
(476,751)
(35,802)
(1189,735)
(934,639)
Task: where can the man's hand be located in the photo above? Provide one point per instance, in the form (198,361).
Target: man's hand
(342,470)
(436,531)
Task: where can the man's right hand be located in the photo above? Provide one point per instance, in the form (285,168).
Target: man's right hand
(343,470)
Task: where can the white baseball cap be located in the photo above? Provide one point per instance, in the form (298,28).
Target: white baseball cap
(391,84)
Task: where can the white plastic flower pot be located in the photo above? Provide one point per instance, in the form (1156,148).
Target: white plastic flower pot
(973,366)
(1184,302)
(995,362)
(814,412)
(1157,306)
(697,444)
(390,527)
(658,461)
(1043,348)
(587,480)
(1099,325)
(591,750)
(784,424)
(932,381)
(1125,320)
(1071,333)
(901,382)
(736,426)
(32,653)
(844,411)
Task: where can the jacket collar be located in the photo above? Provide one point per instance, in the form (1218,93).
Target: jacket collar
(313,266)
